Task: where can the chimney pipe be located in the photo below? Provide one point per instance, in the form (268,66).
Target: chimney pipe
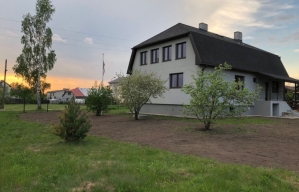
(238,36)
(203,26)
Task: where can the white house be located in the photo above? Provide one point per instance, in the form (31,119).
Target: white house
(63,95)
(7,86)
(178,52)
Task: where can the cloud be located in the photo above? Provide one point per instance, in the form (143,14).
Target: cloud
(292,37)
(58,38)
(248,37)
(297,50)
(282,19)
(88,40)
(12,34)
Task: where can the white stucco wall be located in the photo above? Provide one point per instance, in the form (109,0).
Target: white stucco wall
(164,69)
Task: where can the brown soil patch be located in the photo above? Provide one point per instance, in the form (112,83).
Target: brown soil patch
(272,145)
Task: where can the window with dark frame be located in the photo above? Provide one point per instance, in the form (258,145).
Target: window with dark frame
(176,80)
(239,78)
(155,56)
(167,53)
(275,87)
(181,50)
(143,58)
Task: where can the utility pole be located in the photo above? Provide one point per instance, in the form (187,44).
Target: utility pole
(4,86)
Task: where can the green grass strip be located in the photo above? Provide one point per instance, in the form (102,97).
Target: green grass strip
(32,159)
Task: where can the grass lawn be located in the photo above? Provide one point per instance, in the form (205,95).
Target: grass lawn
(32,159)
(31,107)
(51,107)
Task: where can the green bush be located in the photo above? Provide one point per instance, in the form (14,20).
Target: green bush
(74,124)
(98,99)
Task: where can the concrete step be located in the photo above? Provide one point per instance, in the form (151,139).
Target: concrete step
(294,113)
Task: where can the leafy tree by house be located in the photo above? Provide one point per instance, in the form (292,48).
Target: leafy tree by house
(138,88)
(34,61)
(212,96)
(20,91)
(98,99)
(74,124)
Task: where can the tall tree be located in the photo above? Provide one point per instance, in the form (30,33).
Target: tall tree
(211,96)
(138,89)
(34,61)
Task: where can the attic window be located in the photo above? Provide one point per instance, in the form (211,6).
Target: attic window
(181,50)
(155,56)
(143,58)
(167,53)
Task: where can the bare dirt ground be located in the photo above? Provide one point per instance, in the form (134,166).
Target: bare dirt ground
(272,145)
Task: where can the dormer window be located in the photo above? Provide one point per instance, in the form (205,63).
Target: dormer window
(155,56)
(143,58)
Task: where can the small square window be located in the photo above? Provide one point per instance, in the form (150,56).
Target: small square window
(176,80)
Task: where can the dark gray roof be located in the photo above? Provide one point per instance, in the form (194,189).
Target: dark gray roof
(212,49)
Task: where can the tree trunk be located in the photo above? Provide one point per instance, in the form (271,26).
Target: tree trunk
(207,126)
(38,89)
(136,115)
(98,113)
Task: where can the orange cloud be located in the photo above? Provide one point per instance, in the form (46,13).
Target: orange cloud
(58,83)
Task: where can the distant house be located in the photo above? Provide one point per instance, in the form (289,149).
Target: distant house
(115,89)
(7,86)
(80,93)
(178,52)
(65,95)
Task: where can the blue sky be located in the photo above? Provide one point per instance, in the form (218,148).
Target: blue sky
(84,30)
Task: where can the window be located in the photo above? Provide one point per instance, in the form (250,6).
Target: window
(176,80)
(167,53)
(275,87)
(143,58)
(239,78)
(181,50)
(69,93)
(155,56)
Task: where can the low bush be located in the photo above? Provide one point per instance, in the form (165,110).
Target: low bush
(74,124)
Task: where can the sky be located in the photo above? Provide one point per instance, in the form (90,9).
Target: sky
(85,30)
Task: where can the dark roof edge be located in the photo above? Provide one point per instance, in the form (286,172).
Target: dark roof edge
(286,78)
(195,49)
(132,58)
(162,40)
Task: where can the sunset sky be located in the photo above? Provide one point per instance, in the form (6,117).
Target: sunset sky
(84,30)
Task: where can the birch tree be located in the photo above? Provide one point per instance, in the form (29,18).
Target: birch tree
(36,58)
(212,96)
(139,88)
